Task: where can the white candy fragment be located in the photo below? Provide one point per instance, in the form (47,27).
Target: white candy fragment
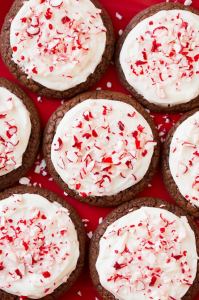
(118,16)
(187,2)
(90,234)
(24,180)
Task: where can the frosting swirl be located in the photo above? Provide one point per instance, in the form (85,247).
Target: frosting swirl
(58,43)
(160,57)
(184,158)
(102,147)
(39,247)
(15,129)
(148,254)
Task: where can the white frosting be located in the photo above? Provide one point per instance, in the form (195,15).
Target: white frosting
(184,158)
(39,247)
(58,43)
(160,57)
(15,129)
(148,254)
(102,147)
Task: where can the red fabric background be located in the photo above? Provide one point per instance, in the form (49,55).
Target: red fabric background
(128,9)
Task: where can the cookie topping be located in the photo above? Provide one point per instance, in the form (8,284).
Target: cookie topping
(39,247)
(162,55)
(61,42)
(184,158)
(15,128)
(148,254)
(99,149)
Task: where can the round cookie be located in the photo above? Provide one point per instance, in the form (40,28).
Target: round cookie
(29,156)
(52,197)
(158,90)
(41,89)
(180,167)
(118,213)
(123,195)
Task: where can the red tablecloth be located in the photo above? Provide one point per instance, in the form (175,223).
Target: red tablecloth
(83,288)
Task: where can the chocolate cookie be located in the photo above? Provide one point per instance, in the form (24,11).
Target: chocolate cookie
(123,195)
(169,182)
(153,106)
(30,154)
(118,213)
(52,197)
(6,52)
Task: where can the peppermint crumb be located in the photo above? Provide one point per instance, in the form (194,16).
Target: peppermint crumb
(90,234)
(100,220)
(162,205)
(149,185)
(79,293)
(120,32)
(85,220)
(98,89)
(109,84)
(118,16)
(96,298)
(161,133)
(24,180)
(159,126)
(167,121)
(50,179)
(65,194)
(162,140)
(39,99)
(40,167)
(40,185)
(131,209)
(151,116)
(187,2)
(62,101)
(148,110)
(35,184)
(167,0)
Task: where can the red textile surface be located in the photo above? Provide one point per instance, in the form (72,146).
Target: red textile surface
(128,9)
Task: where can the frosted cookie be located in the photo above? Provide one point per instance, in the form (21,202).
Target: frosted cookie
(157,57)
(20,133)
(42,244)
(145,249)
(57,48)
(180,162)
(101,148)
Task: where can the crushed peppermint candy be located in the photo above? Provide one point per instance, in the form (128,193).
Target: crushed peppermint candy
(100,220)
(58,46)
(90,234)
(187,2)
(24,180)
(79,293)
(109,84)
(119,16)
(148,252)
(120,32)
(37,239)
(100,145)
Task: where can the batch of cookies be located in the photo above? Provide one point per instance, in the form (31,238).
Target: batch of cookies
(101,148)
